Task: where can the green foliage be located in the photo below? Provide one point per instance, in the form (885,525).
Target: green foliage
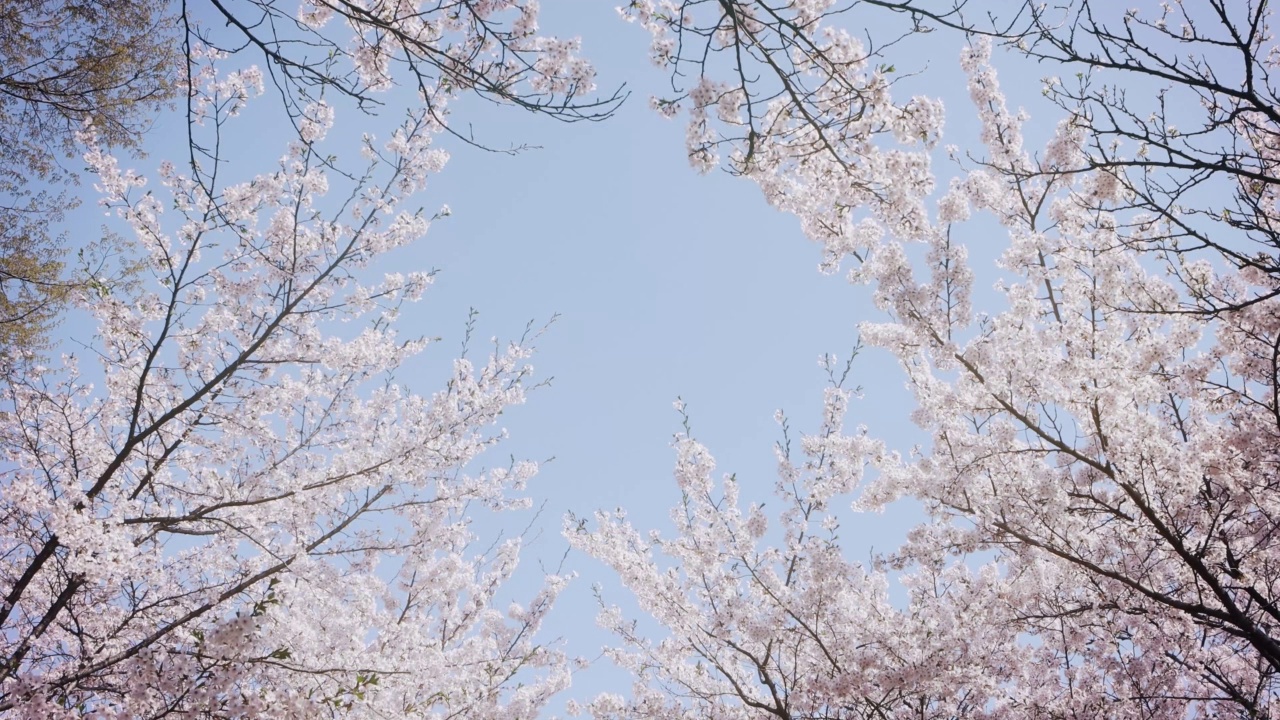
(30,288)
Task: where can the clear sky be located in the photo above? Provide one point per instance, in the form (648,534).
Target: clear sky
(666,283)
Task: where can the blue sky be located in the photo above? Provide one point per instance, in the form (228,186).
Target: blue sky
(666,284)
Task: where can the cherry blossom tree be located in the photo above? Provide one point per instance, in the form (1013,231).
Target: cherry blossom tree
(241,509)
(1100,472)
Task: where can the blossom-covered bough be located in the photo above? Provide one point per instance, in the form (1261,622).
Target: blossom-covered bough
(247,512)
(491,48)
(1101,474)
